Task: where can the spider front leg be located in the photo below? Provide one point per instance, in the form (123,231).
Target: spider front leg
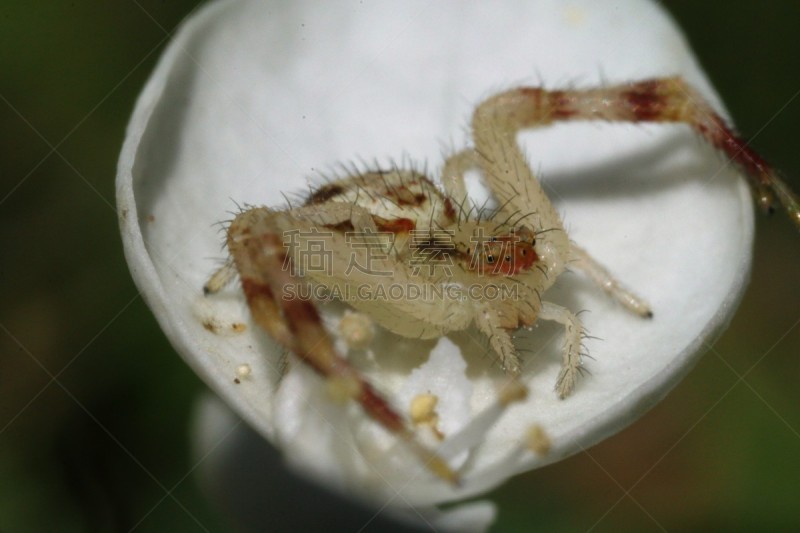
(665,100)
(573,332)
(256,244)
(606,281)
(455,167)
(490,322)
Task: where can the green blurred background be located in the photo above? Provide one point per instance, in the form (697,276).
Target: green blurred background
(94,404)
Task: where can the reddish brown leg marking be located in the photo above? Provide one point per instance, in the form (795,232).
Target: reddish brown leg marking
(654,100)
(296,324)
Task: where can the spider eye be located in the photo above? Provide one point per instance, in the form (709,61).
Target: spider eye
(490,258)
(508,258)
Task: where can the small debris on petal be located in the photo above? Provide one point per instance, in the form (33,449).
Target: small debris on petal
(218,319)
(243,371)
(423,408)
(538,440)
(513,391)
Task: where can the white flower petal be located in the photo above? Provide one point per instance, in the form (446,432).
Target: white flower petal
(235,469)
(443,376)
(472,517)
(252,98)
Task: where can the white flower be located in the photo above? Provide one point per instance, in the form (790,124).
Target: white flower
(252,99)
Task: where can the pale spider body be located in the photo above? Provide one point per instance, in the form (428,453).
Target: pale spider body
(435,242)
(383,228)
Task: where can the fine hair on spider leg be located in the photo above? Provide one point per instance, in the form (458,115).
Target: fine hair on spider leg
(445,264)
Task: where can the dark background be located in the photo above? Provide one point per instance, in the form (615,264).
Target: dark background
(94,404)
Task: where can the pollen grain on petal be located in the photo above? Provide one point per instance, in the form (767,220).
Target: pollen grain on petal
(423,413)
(538,440)
(243,371)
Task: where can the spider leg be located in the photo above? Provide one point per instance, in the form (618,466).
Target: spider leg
(603,279)
(266,269)
(495,125)
(221,277)
(453,172)
(654,100)
(490,323)
(573,330)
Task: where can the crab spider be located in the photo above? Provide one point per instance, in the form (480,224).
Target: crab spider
(375,237)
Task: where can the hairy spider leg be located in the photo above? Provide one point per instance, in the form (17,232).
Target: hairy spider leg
(495,124)
(571,350)
(497,121)
(606,281)
(654,100)
(453,173)
(265,269)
